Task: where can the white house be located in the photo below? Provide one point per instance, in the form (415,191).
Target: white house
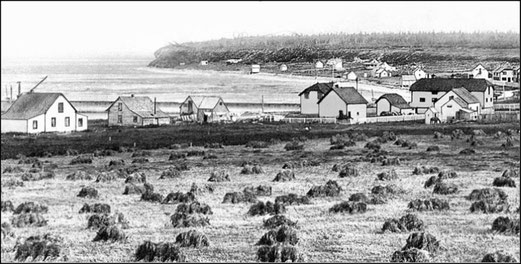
(470,101)
(255,68)
(407,80)
(419,74)
(425,92)
(381,73)
(335,63)
(135,111)
(204,109)
(351,76)
(372,64)
(204,62)
(393,102)
(319,65)
(42,112)
(343,102)
(479,72)
(310,96)
(504,73)
(283,67)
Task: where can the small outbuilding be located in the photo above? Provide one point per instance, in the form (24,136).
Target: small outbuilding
(393,102)
(255,68)
(204,62)
(204,109)
(319,65)
(135,111)
(283,67)
(351,76)
(407,80)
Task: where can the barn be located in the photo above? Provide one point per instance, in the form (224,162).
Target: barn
(135,111)
(393,102)
(204,109)
(342,102)
(42,112)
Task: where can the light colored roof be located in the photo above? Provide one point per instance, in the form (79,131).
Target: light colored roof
(408,78)
(348,94)
(141,105)
(395,100)
(465,95)
(466,110)
(29,105)
(205,102)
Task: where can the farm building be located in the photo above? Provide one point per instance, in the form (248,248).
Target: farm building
(407,80)
(351,76)
(342,102)
(504,73)
(479,72)
(310,96)
(464,96)
(419,74)
(204,109)
(42,112)
(393,102)
(425,92)
(204,62)
(381,73)
(319,65)
(255,68)
(283,67)
(371,64)
(233,61)
(135,111)
(431,116)
(335,63)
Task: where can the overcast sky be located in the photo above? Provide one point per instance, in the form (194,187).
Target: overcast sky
(83,29)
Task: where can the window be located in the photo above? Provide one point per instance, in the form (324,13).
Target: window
(67,122)
(486,100)
(422,100)
(134,119)
(306,95)
(434,100)
(449,106)
(35,124)
(120,119)
(479,71)
(220,103)
(451,97)
(53,122)
(489,90)
(120,106)
(80,122)
(60,107)
(357,113)
(434,93)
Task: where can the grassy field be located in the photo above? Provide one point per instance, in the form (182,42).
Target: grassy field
(324,236)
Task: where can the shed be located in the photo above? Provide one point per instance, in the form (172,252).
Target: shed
(204,109)
(432,116)
(283,67)
(407,80)
(255,68)
(42,112)
(135,111)
(351,76)
(319,65)
(392,102)
(204,62)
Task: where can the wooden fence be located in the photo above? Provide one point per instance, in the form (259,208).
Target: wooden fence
(506,107)
(310,120)
(387,119)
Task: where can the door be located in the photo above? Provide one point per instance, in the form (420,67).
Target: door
(340,113)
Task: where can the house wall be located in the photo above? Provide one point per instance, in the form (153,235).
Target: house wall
(351,76)
(309,106)
(220,108)
(85,122)
(10,125)
(477,75)
(407,111)
(331,105)
(407,83)
(52,112)
(357,110)
(449,109)
(444,99)
(420,74)
(41,124)
(416,95)
(184,107)
(382,105)
(485,98)
(128,116)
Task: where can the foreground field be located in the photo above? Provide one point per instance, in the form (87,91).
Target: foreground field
(323,236)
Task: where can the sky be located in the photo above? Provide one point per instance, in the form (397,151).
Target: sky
(91,29)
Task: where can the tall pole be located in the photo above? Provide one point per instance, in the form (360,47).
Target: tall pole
(11,99)
(262,98)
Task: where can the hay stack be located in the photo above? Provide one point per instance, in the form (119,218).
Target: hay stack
(88,192)
(7,231)
(433,148)
(359,197)
(493,194)
(79,175)
(192,238)
(391,161)
(107,177)
(28,219)
(348,170)
(239,197)
(445,188)
(278,253)
(422,240)
(255,169)
(97,208)
(81,160)
(489,206)
(504,182)
(180,220)
(149,251)
(278,220)
(219,176)
(179,197)
(7,206)
(12,183)
(467,151)
(30,207)
(257,144)
(292,199)
(411,255)
(140,160)
(500,256)
(284,175)
(269,207)
(285,234)
(349,207)
(14,169)
(429,204)
(261,190)
(373,145)
(506,225)
(457,134)
(330,189)
(110,233)
(136,177)
(510,173)
(115,163)
(151,196)
(133,189)
(170,173)
(195,189)
(294,145)
(45,246)
(387,175)
(194,208)
(408,222)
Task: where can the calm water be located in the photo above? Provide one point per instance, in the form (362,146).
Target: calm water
(106,79)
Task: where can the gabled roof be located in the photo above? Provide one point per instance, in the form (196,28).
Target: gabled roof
(502,67)
(29,105)
(459,101)
(318,87)
(395,100)
(465,95)
(205,102)
(348,94)
(408,78)
(140,105)
(445,85)
(479,64)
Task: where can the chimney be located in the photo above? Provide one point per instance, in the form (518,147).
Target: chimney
(11,98)
(19,88)
(131,95)
(154,105)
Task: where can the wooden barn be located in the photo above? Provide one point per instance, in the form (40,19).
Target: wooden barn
(42,112)
(135,111)
(204,109)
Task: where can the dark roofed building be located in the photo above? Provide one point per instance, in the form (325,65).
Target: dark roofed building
(310,96)
(392,102)
(135,111)
(42,112)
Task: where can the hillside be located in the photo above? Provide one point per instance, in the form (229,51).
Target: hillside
(395,48)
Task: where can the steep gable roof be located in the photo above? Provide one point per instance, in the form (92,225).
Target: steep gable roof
(465,95)
(348,94)
(395,100)
(318,87)
(205,102)
(29,105)
(445,85)
(141,105)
